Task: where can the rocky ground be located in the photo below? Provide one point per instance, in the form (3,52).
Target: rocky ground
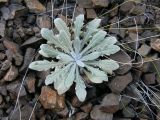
(133,91)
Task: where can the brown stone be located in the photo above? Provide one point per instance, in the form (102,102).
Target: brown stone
(110,103)
(50,99)
(144,50)
(126,64)
(75,102)
(97,114)
(2,56)
(30,82)
(11,74)
(11,45)
(126,7)
(155,44)
(35,6)
(30,52)
(100,3)
(44,21)
(3,0)
(149,78)
(18,58)
(85,3)
(119,83)
(1,99)
(81,116)
(86,108)
(63,113)
(91,14)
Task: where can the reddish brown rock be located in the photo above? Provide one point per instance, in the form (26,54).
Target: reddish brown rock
(97,114)
(81,116)
(86,108)
(35,6)
(50,99)
(11,74)
(91,14)
(75,102)
(30,82)
(119,83)
(85,3)
(63,113)
(100,3)
(126,7)
(44,21)
(11,45)
(18,58)
(110,103)
(155,44)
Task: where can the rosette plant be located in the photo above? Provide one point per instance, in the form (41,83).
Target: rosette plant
(76,52)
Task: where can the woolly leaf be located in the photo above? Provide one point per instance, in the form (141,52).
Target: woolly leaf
(111,49)
(61,25)
(97,38)
(94,78)
(108,65)
(78,25)
(65,40)
(97,73)
(48,51)
(77,45)
(65,57)
(91,28)
(71,76)
(91,56)
(80,87)
(42,65)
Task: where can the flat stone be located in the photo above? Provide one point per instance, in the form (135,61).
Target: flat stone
(50,99)
(18,58)
(11,45)
(6,65)
(144,50)
(85,3)
(3,90)
(25,113)
(127,7)
(30,52)
(2,56)
(31,41)
(155,44)
(100,3)
(64,113)
(138,9)
(35,6)
(14,89)
(86,108)
(44,21)
(110,103)
(81,116)
(75,102)
(11,74)
(97,114)
(30,82)
(119,83)
(91,13)
(2,30)
(149,78)
(3,1)
(123,57)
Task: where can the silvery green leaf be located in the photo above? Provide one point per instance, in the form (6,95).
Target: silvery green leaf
(71,76)
(48,51)
(61,25)
(77,45)
(93,78)
(78,23)
(110,40)
(98,73)
(42,65)
(64,57)
(80,87)
(97,38)
(65,40)
(53,76)
(80,63)
(91,28)
(108,65)
(111,49)
(91,56)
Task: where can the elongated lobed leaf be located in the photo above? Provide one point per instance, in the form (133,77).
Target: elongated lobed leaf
(78,24)
(91,56)
(42,65)
(48,51)
(61,25)
(111,49)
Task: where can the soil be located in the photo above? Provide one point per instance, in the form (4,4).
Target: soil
(133,91)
